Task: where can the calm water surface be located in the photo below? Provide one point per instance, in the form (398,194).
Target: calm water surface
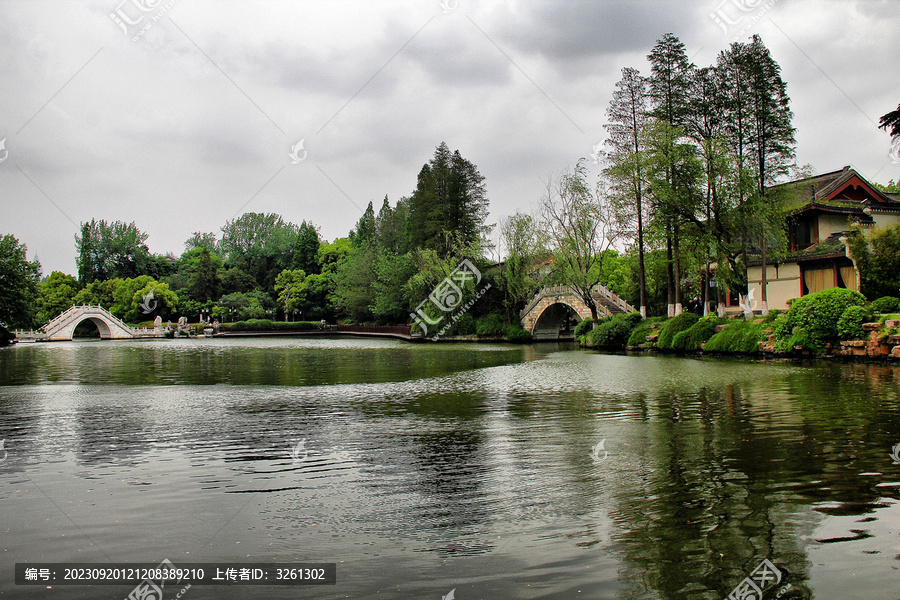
(429,468)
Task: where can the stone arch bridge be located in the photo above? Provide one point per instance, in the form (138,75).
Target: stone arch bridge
(63,326)
(553,311)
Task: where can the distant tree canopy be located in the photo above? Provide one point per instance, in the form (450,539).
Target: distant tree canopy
(110,250)
(18,284)
(449,206)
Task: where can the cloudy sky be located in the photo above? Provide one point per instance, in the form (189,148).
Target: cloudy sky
(182,114)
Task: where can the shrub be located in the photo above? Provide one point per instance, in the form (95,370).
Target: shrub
(583,327)
(812,321)
(612,332)
(740,336)
(673,326)
(692,338)
(849,326)
(464,325)
(491,325)
(886,304)
(516,334)
(639,334)
(269,325)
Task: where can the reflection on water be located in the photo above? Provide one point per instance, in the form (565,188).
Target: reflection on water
(431,468)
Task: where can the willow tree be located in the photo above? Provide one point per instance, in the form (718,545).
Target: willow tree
(580,224)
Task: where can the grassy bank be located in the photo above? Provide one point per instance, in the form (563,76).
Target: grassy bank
(835,322)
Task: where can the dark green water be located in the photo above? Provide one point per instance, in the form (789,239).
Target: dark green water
(431,468)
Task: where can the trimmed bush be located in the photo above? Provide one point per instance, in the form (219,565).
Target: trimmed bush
(740,337)
(612,332)
(886,304)
(691,339)
(583,327)
(811,322)
(492,325)
(640,333)
(675,325)
(516,334)
(269,325)
(849,326)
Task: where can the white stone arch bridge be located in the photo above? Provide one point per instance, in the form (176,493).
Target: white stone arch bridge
(63,326)
(553,311)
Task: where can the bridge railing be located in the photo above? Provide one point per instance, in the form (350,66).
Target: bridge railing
(63,316)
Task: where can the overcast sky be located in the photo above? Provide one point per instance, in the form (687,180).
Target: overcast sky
(189,118)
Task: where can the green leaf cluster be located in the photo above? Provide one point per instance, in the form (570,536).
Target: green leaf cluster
(691,339)
(739,337)
(812,321)
(672,327)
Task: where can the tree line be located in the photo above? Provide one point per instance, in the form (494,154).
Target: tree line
(685,186)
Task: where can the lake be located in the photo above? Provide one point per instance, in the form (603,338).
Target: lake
(492,471)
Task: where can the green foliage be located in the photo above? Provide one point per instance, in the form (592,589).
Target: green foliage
(306,249)
(583,327)
(269,325)
(613,332)
(691,340)
(465,325)
(878,259)
(515,334)
(739,337)
(98,293)
(449,205)
(849,326)
(57,294)
(670,328)
(291,287)
(812,321)
(640,333)
(133,300)
(522,240)
(240,307)
(261,244)
(19,279)
(111,250)
(202,270)
(491,325)
(886,304)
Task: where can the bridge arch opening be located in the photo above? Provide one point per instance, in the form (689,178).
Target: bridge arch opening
(83,328)
(557,321)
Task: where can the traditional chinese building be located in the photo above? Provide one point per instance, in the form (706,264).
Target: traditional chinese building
(819,217)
